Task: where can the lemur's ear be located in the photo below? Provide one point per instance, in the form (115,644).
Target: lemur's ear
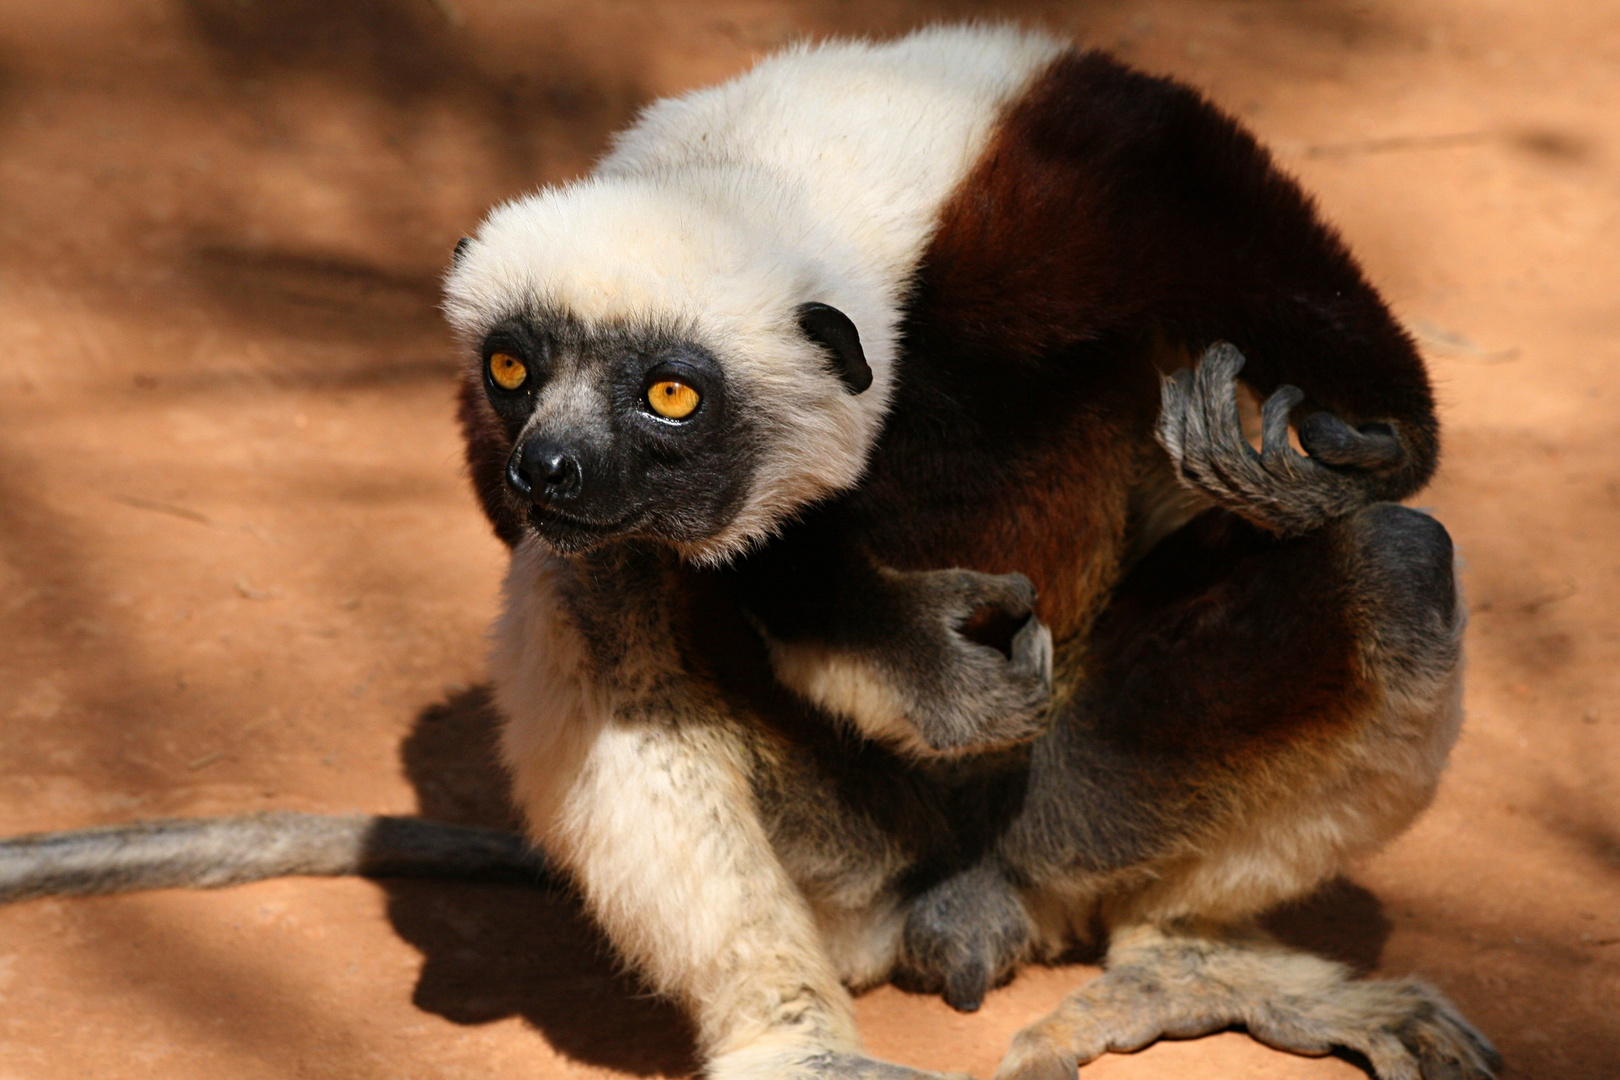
(461,249)
(831,329)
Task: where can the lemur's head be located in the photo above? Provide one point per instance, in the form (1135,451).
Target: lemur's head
(643,366)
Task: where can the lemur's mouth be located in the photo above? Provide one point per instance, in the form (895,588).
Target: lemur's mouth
(568,532)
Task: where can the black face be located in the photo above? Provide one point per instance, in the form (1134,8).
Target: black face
(617,435)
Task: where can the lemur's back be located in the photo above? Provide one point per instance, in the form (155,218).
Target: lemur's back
(860,139)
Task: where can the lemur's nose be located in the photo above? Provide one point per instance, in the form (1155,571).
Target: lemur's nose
(544,471)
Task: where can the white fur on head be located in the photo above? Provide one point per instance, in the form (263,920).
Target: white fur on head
(817,176)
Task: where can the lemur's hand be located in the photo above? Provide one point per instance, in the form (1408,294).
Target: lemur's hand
(969,659)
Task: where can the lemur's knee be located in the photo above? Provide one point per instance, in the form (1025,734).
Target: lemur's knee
(1407,556)
(1406,582)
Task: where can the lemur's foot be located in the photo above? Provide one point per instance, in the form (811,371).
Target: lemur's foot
(1168,985)
(797,1063)
(980,672)
(965,935)
(1277,487)
(1406,1029)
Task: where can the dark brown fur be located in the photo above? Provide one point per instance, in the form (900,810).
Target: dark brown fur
(1113,212)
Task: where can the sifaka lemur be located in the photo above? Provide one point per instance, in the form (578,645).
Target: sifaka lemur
(894,592)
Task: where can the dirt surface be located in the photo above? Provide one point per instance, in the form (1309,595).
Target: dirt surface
(239,567)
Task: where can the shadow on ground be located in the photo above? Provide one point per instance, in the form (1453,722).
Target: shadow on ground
(494,951)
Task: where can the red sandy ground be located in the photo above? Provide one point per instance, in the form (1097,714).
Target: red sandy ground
(239,567)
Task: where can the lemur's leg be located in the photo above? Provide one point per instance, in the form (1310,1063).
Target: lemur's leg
(1276,487)
(935,663)
(1180,983)
(636,780)
(1292,702)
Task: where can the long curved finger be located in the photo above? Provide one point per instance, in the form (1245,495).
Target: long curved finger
(1274,422)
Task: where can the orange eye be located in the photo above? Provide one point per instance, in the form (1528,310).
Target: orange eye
(672,400)
(508,371)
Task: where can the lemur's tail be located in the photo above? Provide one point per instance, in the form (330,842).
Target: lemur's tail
(209,853)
